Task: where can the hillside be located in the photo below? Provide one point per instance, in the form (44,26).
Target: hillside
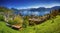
(48,26)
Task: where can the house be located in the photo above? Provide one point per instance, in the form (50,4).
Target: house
(16,27)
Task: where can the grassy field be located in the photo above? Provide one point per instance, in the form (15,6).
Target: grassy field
(47,27)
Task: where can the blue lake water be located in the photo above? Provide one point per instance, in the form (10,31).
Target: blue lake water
(36,13)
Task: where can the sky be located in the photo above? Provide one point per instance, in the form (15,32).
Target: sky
(23,4)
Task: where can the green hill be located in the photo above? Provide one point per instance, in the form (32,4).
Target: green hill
(49,26)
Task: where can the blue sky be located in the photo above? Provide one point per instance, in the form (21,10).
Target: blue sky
(22,4)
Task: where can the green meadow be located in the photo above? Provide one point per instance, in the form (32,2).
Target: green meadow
(46,27)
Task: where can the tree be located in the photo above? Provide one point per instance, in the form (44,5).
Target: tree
(54,13)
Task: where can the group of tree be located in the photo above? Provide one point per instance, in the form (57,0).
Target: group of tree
(54,13)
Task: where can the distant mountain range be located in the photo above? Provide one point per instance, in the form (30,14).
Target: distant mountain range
(35,11)
(41,9)
(32,11)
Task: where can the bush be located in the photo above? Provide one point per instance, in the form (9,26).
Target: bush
(25,23)
(11,22)
(1,18)
(16,21)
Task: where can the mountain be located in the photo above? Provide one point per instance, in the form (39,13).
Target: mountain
(16,11)
(56,7)
(32,11)
(44,9)
(35,11)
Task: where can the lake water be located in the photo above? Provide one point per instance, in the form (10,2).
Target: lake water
(36,13)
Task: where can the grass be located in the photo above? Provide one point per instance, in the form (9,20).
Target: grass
(6,29)
(46,27)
